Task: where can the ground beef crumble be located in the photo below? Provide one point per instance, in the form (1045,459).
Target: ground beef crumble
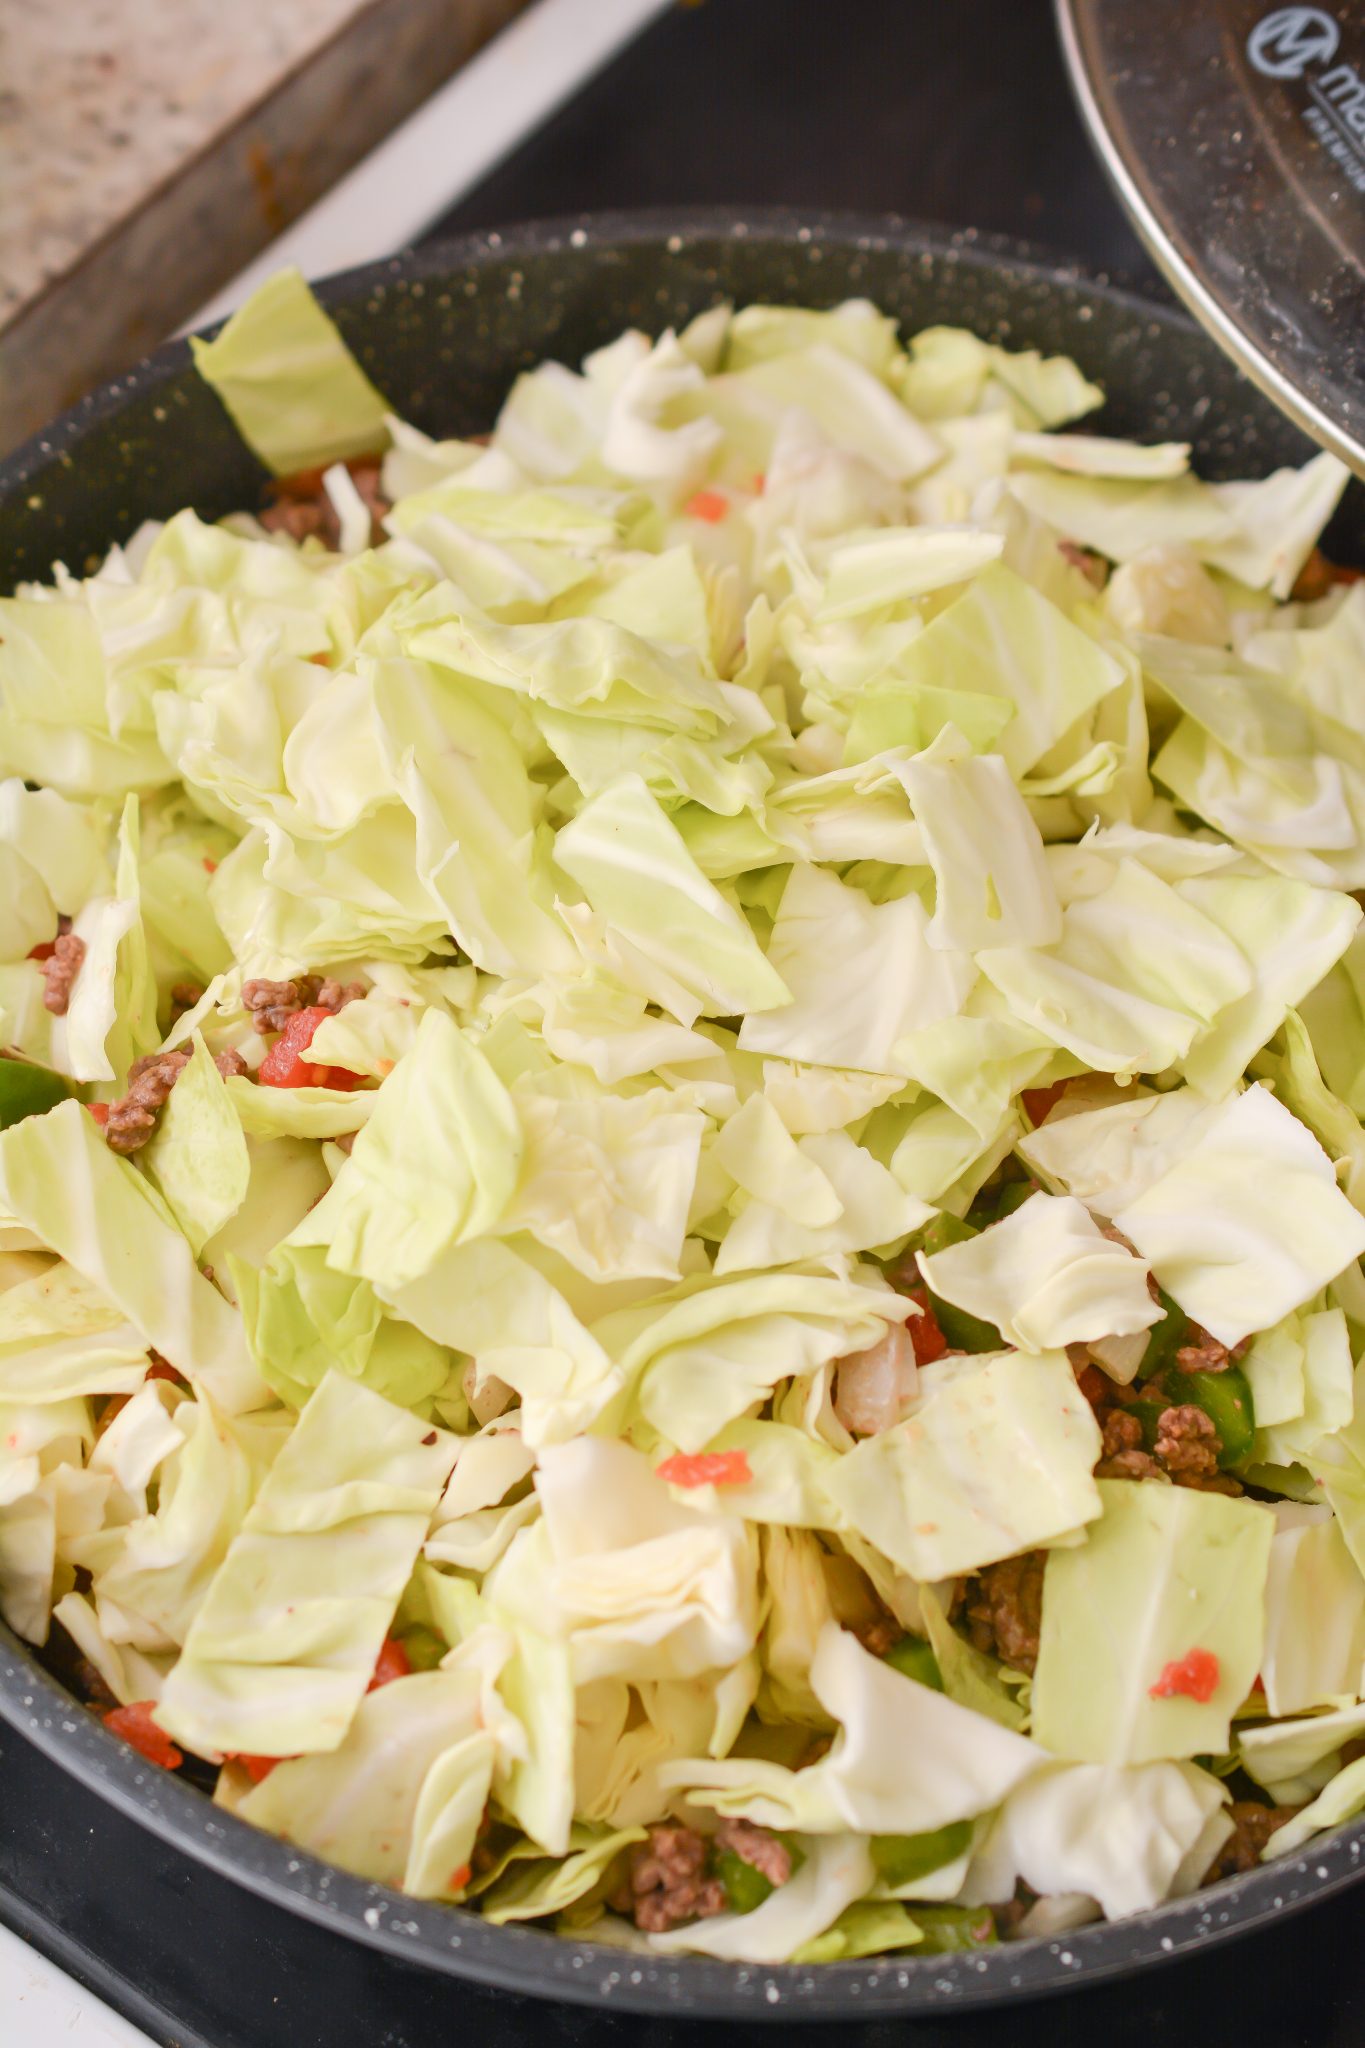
(667,1883)
(759,1847)
(1253,1823)
(1004,1608)
(880,1634)
(1187,1444)
(303,510)
(132,1119)
(1186,1448)
(1203,1354)
(1093,567)
(273,1003)
(1124,1457)
(61,967)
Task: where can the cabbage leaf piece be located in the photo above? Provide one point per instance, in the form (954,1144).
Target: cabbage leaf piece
(1046,1277)
(637,874)
(1315,1615)
(296,393)
(1165,1571)
(906,1761)
(641,1585)
(1249,1223)
(284,1645)
(434,1165)
(830,937)
(61,1180)
(1128,1836)
(996,1458)
(401,1798)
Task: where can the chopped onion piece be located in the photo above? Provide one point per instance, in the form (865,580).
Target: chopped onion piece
(873,1388)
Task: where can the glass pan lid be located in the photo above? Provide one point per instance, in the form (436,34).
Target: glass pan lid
(1234,132)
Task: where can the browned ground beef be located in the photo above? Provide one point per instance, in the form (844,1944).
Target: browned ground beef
(1252,1826)
(60,969)
(667,1883)
(273,1003)
(1005,1609)
(1124,1457)
(1187,1442)
(132,1119)
(758,1847)
(303,510)
(1203,1354)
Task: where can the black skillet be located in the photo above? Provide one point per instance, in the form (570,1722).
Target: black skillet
(442,332)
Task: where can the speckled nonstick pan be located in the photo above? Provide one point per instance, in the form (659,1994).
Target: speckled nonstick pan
(442,332)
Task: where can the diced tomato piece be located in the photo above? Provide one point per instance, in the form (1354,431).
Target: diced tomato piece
(285,1067)
(1038,1101)
(210,865)
(705,1468)
(100,1112)
(707,505)
(460,1878)
(160,1370)
(392,1662)
(257,1768)
(1193,1677)
(300,483)
(43,952)
(135,1724)
(925,1334)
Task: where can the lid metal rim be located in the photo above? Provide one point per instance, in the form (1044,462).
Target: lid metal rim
(1182,277)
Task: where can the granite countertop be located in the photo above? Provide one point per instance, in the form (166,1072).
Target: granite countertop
(103,99)
(149,149)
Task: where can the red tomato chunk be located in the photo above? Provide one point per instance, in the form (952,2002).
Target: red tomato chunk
(706,1468)
(285,1067)
(136,1726)
(708,505)
(1192,1677)
(925,1334)
(391,1663)
(257,1768)
(1038,1101)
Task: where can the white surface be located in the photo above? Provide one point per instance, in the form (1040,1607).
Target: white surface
(41,2007)
(512,85)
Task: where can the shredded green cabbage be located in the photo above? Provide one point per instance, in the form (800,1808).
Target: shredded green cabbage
(718,1035)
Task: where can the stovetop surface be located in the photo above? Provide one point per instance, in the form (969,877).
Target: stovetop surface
(954,111)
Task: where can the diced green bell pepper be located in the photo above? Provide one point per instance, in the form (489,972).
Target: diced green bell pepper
(1013,1196)
(900,1859)
(963,1332)
(913,1658)
(1166,1339)
(27,1091)
(745,1887)
(942,1231)
(423,1648)
(948,1930)
(1225,1397)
